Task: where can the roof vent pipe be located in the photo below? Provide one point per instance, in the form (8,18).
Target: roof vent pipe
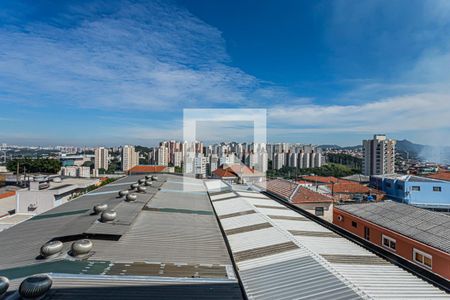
(81,247)
(98,208)
(51,249)
(4,285)
(35,287)
(108,216)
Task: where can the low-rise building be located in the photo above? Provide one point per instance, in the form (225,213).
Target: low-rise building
(76,171)
(343,190)
(297,194)
(419,191)
(42,196)
(238,173)
(417,235)
(144,169)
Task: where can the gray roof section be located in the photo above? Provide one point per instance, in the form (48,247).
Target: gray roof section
(166,237)
(96,287)
(428,227)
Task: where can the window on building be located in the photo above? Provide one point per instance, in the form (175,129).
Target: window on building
(422,258)
(415,188)
(354,224)
(437,189)
(367,233)
(389,242)
(319,211)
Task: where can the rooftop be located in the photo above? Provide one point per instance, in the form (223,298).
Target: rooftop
(167,242)
(221,173)
(146,169)
(281,254)
(428,227)
(295,193)
(442,175)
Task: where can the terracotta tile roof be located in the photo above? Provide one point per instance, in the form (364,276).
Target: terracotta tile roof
(305,195)
(321,179)
(351,188)
(280,187)
(286,189)
(241,170)
(442,175)
(221,173)
(147,169)
(7,194)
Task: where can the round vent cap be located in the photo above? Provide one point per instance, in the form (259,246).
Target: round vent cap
(4,285)
(142,189)
(123,193)
(51,248)
(108,215)
(131,197)
(81,247)
(35,286)
(98,208)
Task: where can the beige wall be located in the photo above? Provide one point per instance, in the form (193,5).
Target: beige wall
(311,208)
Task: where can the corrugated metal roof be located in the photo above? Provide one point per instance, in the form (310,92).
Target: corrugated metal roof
(321,267)
(158,239)
(118,287)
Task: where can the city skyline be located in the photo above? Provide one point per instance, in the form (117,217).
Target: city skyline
(77,72)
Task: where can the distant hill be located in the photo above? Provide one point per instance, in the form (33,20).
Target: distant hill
(339,147)
(410,147)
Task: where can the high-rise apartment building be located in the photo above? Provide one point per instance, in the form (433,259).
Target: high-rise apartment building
(379,155)
(101,158)
(130,158)
(163,156)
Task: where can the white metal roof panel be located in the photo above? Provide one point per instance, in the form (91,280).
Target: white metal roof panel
(254,195)
(230,206)
(389,282)
(330,245)
(300,225)
(277,212)
(242,221)
(223,196)
(260,201)
(256,239)
(299,278)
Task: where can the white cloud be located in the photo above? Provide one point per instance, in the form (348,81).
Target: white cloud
(145,55)
(397,114)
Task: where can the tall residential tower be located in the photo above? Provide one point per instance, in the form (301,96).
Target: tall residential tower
(379,155)
(101,158)
(130,158)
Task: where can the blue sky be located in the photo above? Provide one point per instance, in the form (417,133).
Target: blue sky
(116,72)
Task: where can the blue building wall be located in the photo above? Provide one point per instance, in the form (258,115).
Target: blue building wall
(415,190)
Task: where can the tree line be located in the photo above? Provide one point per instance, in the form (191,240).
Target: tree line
(331,169)
(39,165)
